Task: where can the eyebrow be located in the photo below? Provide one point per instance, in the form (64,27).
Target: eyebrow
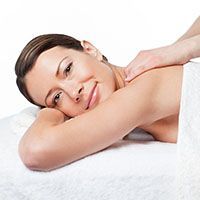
(56,75)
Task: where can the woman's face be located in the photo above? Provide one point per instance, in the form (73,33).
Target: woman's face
(68,80)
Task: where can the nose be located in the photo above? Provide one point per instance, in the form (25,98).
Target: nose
(76,95)
(73,90)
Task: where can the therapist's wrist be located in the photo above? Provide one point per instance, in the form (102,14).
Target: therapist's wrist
(189,48)
(183,50)
(194,46)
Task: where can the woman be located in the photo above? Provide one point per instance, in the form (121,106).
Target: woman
(73,80)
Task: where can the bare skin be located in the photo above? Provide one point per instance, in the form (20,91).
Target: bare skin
(182,51)
(165,129)
(151,101)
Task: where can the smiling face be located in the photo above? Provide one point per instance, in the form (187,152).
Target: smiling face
(66,79)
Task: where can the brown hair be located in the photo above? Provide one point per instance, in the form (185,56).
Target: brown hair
(33,49)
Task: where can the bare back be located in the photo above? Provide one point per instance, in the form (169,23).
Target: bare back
(166,128)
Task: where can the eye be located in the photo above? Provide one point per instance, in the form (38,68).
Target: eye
(56,98)
(68,68)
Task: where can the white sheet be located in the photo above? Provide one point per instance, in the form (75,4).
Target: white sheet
(188,168)
(129,169)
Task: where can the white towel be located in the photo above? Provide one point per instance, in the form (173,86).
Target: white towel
(128,169)
(188,151)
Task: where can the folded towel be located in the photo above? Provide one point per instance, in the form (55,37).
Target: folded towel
(21,121)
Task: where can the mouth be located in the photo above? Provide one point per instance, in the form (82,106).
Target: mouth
(92,96)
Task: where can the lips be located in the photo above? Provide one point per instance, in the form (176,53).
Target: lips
(90,96)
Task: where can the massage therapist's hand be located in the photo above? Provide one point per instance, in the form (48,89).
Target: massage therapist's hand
(177,53)
(52,115)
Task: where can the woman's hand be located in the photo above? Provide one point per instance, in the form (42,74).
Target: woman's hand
(177,53)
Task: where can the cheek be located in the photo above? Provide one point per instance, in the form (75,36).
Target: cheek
(70,108)
(84,71)
(107,86)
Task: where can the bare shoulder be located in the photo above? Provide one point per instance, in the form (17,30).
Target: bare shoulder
(165,85)
(172,73)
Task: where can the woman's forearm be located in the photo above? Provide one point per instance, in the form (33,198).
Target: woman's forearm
(193,30)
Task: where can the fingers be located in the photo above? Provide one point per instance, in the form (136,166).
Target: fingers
(134,72)
(130,75)
(130,71)
(145,60)
(136,66)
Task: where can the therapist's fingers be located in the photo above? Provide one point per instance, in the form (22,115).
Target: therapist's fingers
(141,63)
(132,67)
(144,61)
(133,73)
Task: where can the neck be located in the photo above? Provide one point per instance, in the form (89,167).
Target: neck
(119,75)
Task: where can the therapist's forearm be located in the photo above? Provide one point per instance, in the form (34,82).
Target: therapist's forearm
(192,31)
(196,46)
(191,47)
(189,43)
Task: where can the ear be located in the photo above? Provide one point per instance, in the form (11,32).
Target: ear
(91,50)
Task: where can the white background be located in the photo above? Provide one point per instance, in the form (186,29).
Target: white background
(119,29)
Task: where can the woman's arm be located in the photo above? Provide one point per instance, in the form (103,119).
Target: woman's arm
(48,144)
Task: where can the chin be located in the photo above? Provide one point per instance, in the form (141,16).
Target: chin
(107,92)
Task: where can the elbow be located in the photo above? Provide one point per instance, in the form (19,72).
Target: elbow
(30,161)
(32,156)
